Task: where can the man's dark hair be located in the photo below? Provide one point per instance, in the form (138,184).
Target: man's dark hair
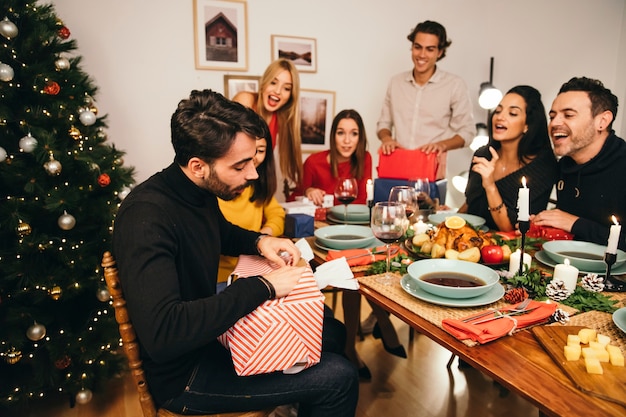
(434,28)
(601,97)
(205,125)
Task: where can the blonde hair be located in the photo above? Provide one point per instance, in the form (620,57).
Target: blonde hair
(289,141)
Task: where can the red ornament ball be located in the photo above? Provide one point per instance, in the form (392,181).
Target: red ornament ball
(64,32)
(104,180)
(52,88)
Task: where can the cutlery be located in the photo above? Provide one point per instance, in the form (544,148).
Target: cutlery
(518,308)
(376,252)
(516,313)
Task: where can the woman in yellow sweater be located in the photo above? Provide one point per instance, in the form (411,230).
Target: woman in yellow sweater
(256,208)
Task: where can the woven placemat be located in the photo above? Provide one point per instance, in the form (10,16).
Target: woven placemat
(430,312)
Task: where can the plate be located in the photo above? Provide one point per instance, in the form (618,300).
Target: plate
(582,255)
(356,213)
(619,318)
(543,257)
(440,217)
(376,243)
(345,236)
(410,286)
(333,219)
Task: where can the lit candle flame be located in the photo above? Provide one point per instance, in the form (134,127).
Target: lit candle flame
(524,181)
(614,220)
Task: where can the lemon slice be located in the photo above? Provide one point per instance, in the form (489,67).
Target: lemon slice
(454,222)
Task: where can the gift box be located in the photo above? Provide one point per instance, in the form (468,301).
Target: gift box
(299,225)
(283,334)
(405,164)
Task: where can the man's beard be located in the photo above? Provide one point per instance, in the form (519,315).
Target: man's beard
(219,188)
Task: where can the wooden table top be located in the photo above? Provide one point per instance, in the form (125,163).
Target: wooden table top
(518,362)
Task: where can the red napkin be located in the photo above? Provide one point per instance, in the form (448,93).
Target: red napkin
(356,257)
(495,329)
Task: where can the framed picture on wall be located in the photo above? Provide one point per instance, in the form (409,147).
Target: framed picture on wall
(220,34)
(233,84)
(301,51)
(317,108)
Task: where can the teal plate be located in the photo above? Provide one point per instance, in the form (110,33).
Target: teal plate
(410,286)
(619,318)
(543,257)
(438,218)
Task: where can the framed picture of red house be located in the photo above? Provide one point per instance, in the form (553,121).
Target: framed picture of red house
(221,34)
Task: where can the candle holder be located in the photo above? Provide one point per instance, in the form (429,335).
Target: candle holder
(610,283)
(370,204)
(524,227)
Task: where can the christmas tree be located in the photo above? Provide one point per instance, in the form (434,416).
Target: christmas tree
(60,186)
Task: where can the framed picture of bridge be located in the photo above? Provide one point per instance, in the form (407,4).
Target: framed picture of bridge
(301,51)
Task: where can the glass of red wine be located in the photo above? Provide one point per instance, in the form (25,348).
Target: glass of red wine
(346,192)
(407,196)
(389,224)
(422,188)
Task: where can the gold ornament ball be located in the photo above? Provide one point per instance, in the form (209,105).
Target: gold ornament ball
(74,133)
(13,356)
(55,292)
(53,167)
(66,221)
(93,109)
(84,396)
(103,295)
(23,229)
(36,332)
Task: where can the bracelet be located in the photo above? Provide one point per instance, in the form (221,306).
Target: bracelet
(256,243)
(270,287)
(496,208)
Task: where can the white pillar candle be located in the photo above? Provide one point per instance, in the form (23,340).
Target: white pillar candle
(420,227)
(613,237)
(566,273)
(370,190)
(515,259)
(523,199)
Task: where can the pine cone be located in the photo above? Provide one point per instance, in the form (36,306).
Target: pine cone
(556,291)
(515,295)
(560,316)
(593,283)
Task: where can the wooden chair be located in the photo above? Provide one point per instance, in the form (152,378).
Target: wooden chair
(131,348)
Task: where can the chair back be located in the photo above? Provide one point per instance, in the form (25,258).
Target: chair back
(131,349)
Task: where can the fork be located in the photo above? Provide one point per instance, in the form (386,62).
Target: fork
(375,252)
(520,308)
(517,313)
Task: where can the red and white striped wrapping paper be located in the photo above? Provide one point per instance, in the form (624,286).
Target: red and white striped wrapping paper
(282,334)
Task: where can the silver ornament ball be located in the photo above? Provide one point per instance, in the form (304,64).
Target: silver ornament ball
(28,143)
(103,295)
(36,332)
(3,154)
(62,64)
(87,118)
(66,221)
(6,72)
(53,167)
(84,396)
(8,28)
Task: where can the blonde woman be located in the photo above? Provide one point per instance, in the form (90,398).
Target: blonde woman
(278,102)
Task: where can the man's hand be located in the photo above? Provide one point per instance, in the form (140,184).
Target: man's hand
(555,218)
(270,247)
(285,279)
(389,145)
(437,147)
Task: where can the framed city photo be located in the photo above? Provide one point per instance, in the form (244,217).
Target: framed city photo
(220,34)
(233,84)
(317,108)
(301,51)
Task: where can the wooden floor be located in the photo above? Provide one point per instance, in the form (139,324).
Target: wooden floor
(421,385)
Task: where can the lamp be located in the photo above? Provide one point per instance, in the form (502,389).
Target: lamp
(459,182)
(489,96)
(481,138)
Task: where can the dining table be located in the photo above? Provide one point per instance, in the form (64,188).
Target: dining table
(518,362)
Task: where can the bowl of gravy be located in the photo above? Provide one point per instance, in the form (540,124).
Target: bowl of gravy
(345,236)
(453,278)
(585,256)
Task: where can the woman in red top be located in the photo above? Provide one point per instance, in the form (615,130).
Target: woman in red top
(347,158)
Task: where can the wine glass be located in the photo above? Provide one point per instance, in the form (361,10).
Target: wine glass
(389,223)
(407,196)
(422,188)
(346,192)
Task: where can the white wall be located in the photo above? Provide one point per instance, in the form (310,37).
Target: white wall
(141,55)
